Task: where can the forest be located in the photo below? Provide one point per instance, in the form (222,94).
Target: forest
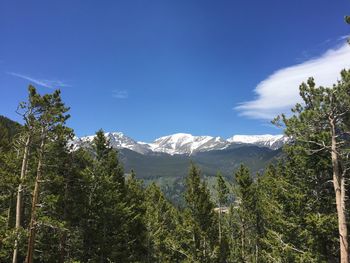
(63,205)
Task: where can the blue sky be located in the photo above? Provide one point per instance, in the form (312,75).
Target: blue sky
(153,68)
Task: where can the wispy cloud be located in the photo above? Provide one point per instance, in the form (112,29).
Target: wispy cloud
(120,94)
(280,91)
(52,84)
(341,38)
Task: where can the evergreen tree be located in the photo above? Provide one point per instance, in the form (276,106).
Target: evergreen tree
(105,227)
(52,222)
(280,204)
(9,170)
(50,118)
(163,241)
(29,111)
(136,225)
(244,215)
(297,219)
(101,145)
(321,125)
(200,211)
(222,199)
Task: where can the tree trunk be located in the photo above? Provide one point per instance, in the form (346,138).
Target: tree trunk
(19,196)
(63,239)
(30,249)
(205,250)
(194,243)
(243,242)
(104,230)
(339,188)
(9,211)
(220,235)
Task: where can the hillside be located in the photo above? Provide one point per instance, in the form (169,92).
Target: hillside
(8,129)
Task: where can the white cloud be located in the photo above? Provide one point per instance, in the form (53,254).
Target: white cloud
(280,91)
(120,94)
(52,84)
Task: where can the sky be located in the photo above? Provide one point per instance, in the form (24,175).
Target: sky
(150,68)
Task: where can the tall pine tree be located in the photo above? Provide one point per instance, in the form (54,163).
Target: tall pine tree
(321,125)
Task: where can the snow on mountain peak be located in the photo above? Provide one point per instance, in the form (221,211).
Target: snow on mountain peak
(266,140)
(184,143)
(117,140)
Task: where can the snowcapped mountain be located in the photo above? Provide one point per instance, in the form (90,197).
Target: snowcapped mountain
(117,140)
(183,143)
(267,140)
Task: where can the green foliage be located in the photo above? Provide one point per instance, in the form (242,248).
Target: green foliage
(222,190)
(101,145)
(136,228)
(163,242)
(320,154)
(200,214)
(244,217)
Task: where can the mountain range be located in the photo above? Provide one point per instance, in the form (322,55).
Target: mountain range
(183,143)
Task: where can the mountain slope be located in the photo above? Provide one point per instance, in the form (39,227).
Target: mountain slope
(169,171)
(156,165)
(183,143)
(8,130)
(267,140)
(117,140)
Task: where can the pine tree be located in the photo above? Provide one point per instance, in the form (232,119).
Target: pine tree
(136,225)
(297,219)
(9,170)
(279,209)
(101,145)
(105,229)
(28,110)
(200,210)
(321,125)
(49,119)
(245,211)
(222,193)
(52,222)
(222,199)
(161,218)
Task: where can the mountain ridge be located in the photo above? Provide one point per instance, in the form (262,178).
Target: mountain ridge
(185,143)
